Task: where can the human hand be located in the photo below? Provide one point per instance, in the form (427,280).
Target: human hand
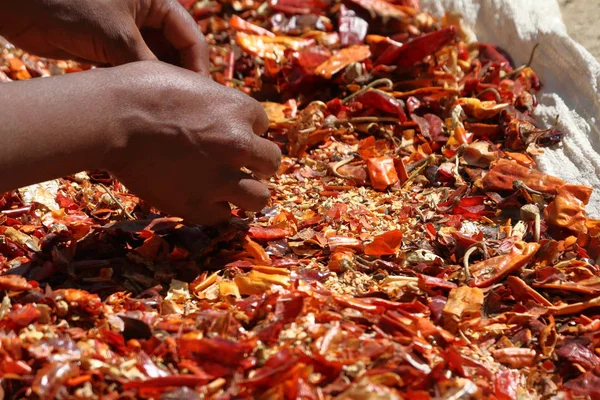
(105,31)
(184,139)
(173,137)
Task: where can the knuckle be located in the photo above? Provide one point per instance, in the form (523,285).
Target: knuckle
(253,103)
(240,143)
(259,113)
(262,122)
(242,103)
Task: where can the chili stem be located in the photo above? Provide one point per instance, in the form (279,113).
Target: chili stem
(364,120)
(340,164)
(521,185)
(379,82)
(493,91)
(522,67)
(117,201)
(479,245)
(418,169)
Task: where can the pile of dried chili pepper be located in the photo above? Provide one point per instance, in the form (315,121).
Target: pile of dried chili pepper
(411,250)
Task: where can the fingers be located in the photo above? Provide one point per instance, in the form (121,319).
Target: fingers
(260,119)
(246,192)
(182,32)
(214,214)
(263,158)
(241,190)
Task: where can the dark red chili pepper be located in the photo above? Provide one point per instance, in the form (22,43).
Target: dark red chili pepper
(415,50)
(380,100)
(166,381)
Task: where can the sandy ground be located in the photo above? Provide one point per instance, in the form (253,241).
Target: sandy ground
(582,18)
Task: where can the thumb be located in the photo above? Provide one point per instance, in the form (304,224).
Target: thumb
(131,48)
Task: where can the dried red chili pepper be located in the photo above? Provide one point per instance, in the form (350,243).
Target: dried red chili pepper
(338,288)
(14,282)
(352,28)
(242,25)
(487,272)
(388,243)
(267,233)
(380,100)
(382,172)
(515,357)
(567,211)
(342,59)
(415,50)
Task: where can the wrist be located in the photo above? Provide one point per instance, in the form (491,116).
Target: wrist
(111,134)
(65,132)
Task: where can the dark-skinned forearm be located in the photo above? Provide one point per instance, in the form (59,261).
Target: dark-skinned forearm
(51,127)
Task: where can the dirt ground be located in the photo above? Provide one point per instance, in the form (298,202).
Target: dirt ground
(582,18)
